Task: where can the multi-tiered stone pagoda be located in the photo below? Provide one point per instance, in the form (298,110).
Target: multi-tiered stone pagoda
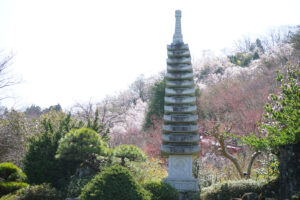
(180,130)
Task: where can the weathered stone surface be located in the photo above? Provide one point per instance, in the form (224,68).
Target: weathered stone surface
(181,109)
(180,100)
(184,75)
(184,60)
(180,128)
(180,84)
(179,53)
(182,138)
(180,91)
(180,118)
(180,173)
(172,47)
(180,150)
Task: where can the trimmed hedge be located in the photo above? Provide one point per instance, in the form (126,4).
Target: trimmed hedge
(113,183)
(230,189)
(161,190)
(11,178)
(39,192)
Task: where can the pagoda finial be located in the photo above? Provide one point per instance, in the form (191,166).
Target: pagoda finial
(177,37)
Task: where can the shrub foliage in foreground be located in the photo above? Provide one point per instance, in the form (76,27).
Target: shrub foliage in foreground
(230,189)
(161,190)
(11,178)
(38,192)
(115,182)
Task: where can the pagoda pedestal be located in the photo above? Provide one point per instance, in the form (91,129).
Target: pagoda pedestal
(180,173)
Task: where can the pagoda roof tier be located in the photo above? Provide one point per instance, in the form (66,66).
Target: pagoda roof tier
(180,100)
(185,75)
(179,53)
(180,91)
(180,109)
(180,84)
(183,60)
(182,46)
(180,118)
(180,138)
(180,68)
(180,150)
(180,128)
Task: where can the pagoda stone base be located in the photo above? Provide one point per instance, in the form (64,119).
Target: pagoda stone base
(180,173)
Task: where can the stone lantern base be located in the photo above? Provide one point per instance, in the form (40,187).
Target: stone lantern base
(180,173)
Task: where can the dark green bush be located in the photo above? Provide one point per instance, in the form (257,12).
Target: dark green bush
(243,59)
(76,184)
(9,187)
(38,192)
(80,145)
(230,189)
(156,104)
(129,152)
(10,172)
(8,197)
(161,190)
(113,183)
(11,178)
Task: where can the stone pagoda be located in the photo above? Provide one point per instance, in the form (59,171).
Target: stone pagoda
(180,138)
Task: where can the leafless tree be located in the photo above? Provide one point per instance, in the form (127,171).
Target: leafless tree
(6,78)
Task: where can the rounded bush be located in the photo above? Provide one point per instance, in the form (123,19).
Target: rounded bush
(38,192)
(76,184)
(230,189)
(129,152)
(10,172)
(113,183)
(161,190)
(11,178)
(80,145)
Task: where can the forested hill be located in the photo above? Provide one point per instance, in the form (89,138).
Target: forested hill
(232,89)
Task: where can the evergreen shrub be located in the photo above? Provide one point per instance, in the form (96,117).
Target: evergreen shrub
(161,190)
(230,189)
(39,192)
(11,178)
(113,183)
(76,184)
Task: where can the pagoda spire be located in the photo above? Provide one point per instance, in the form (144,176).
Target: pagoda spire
(177,37)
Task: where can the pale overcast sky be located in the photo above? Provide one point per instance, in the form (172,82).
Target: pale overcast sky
(69,51)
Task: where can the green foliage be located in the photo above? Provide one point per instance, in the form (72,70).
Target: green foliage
(151,170)
(38,192)
(9,187)
(282,115)
(204,72)
(10,172)
(156,104)
(8,197)
(129,152)
(94,125)
(243,59)
(114,183)
(76,184)
(161,190)
(40,164)
(80,145)
(230,189)
(295,39)
(269,168)
(11,178)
